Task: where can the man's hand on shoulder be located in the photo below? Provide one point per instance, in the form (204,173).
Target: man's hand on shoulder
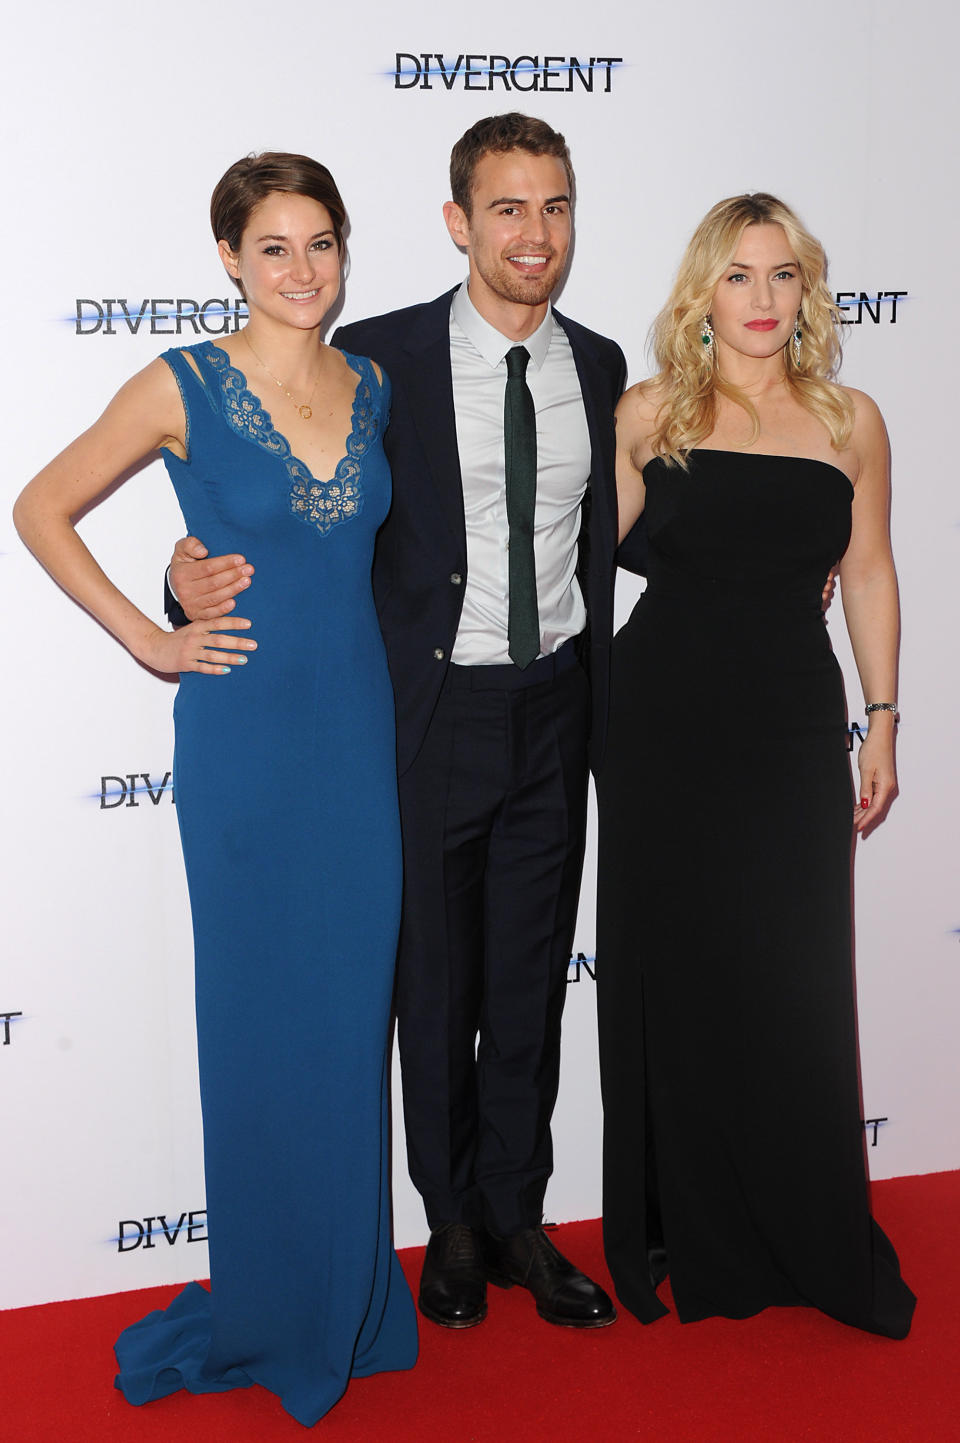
(205,586)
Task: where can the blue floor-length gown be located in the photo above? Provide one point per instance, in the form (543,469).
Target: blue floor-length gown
(285,777)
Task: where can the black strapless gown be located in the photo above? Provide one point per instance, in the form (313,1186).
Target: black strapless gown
(732,1125)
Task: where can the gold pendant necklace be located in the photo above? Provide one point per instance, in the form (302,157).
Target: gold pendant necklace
(306,410)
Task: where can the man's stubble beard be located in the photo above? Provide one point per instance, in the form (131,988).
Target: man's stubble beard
(510,287)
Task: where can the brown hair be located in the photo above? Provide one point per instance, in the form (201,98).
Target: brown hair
(500,133)
(252,179)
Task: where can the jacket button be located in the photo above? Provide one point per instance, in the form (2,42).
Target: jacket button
(456,578)
(439,653)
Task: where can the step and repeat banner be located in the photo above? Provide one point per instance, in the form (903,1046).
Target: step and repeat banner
(120,120)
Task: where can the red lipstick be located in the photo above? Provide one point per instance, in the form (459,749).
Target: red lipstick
(762,325)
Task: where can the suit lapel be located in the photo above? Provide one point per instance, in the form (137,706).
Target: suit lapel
(429,391)
(598,514)
(595,390)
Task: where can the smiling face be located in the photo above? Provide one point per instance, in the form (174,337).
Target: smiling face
(288,262)
(754,308)
(518,232)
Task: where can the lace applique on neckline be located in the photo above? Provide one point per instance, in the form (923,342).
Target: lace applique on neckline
(322,504)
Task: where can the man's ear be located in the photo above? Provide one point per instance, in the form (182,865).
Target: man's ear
(457,223)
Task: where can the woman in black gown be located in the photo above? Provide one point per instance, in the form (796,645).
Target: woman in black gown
(733,1143)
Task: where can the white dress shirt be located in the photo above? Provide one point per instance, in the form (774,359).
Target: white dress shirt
(477,352)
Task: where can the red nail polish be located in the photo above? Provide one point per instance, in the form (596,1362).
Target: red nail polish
(864,803)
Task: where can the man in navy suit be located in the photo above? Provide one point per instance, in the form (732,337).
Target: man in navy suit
(493,732)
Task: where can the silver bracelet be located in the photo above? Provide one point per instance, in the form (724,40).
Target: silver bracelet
(882,706)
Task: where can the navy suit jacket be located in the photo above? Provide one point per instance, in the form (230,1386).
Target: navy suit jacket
(420,565)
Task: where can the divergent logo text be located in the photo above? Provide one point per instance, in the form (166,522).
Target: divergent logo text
(115,315)
(494,72)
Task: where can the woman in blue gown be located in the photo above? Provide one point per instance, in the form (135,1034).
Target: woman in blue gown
(286,795)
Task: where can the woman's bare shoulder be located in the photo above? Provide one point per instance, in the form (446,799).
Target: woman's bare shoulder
(867,417)
(868,439)
(640,405)
(147,409)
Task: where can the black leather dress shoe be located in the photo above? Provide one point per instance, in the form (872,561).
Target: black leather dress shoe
(563,1294)
(453,1284)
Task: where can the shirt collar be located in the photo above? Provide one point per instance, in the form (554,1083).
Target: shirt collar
(492,344)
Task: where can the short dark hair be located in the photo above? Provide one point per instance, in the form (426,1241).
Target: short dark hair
(250,180)
(500,133)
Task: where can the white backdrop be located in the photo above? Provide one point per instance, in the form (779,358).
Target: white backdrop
(121,117)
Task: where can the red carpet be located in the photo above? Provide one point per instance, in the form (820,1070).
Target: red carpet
(785,1376)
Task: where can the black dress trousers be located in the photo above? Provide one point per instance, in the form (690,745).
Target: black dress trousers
(493,816)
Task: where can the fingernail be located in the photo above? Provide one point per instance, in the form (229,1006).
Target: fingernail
(240,661)
(224,670)
(864,803)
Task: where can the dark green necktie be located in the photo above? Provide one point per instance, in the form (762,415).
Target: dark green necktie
(520,458)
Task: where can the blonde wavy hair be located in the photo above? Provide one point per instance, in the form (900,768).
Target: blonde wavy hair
(688,379)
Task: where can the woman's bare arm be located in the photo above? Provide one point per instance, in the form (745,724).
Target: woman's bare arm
(636,418)
(145,414)
(868,588)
